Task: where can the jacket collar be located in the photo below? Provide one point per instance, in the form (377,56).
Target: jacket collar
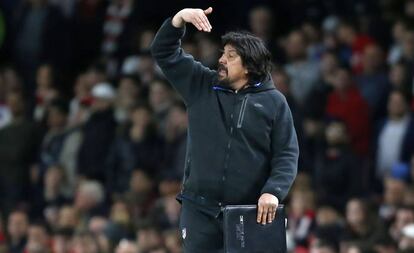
(265,85)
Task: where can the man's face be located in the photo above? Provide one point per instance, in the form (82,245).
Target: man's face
(397,106)
(18,225)
(230,68)
(296,46)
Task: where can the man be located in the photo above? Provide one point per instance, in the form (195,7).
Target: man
(242,146)
(17,229)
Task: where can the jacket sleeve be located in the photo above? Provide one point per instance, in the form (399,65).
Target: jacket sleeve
(285,153)
(189,77)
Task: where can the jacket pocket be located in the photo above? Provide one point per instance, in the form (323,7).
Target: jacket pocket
(242,112)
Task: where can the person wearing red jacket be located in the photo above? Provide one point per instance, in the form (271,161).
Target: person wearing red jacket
(346,103)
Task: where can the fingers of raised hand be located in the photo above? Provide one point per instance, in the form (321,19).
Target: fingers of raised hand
(200,21)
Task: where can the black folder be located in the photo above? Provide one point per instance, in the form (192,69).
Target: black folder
(242,233)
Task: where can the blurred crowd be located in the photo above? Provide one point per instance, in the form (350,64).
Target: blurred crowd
(93,138)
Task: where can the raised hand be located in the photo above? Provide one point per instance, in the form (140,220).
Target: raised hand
(197,17)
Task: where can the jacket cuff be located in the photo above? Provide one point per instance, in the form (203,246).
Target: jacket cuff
(276,191)
(179,31)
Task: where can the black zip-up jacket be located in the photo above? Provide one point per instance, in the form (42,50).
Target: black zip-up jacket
(240,144)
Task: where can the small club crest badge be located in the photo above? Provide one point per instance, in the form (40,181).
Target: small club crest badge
(184,233)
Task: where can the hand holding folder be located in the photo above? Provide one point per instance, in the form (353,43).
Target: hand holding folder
(242,233)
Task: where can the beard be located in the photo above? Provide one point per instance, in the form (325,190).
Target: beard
(222,75)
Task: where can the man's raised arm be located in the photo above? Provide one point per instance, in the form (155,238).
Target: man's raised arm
(188,76)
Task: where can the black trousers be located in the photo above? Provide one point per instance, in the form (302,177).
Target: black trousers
(200,232)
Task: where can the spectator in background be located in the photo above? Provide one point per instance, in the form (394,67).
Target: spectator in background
(38,37)
(393,197)
(67,160)
(316,101)
(148,237)
(314,111)
(172,241)
(129,91)
(303,73)
(120,223)
(395,135)
(45,90)
(145,39)
(210,52)
(95,74)
(80,103)
(82,100)
(119,28)
(261,24)
(346,103)
(140,62)
(98,226)
(282,84)
(38,240)
(329,225)
(89,201)
(403,217)
(301,217)
(52,195)
(335,168)
(61,240)
(138,147)
(68,218)
(141,194)
(126,246)
(399,29)
(315,45)
(397,77)
(98,134)
(330,41)
(361,225)
(372,82)
(85,242)
(55,137)
(17,228)
(355,43)
(18,146)
(407,240)
(59,147)
(409,196)
(160,99)
(144,67)
(176,139)
(166,211)
(408,8)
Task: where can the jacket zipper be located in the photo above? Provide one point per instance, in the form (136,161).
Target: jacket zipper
(242,111)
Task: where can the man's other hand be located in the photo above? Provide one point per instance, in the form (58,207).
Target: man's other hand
(266,208)
(197,17)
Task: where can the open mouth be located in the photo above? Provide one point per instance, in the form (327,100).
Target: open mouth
(222,71)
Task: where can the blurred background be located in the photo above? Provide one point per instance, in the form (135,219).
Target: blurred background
(93,138)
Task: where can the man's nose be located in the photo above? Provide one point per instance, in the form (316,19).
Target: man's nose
(222,60)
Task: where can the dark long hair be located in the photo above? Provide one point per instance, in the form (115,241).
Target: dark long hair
(253,52)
